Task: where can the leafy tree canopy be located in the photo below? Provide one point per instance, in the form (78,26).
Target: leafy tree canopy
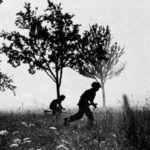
(91,49)
(97,57)
(5,81)
(48,43)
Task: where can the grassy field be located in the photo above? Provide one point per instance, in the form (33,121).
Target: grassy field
(128,129)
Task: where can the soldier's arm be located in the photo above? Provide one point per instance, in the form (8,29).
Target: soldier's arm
(92,101)
(61,106)
(94,104)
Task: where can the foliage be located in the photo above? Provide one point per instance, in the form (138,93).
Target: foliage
(97,57)
(91,50)
(45,42)
(110,131)
(6,83)
(135,125)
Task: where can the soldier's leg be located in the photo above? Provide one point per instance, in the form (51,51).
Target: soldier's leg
(76,116)
(89,115)
(53,115)
(58,114)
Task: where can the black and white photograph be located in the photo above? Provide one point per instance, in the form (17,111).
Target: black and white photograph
(74,75)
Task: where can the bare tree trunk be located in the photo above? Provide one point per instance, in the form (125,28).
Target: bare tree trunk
(103,93)
(58,90)
(57,83)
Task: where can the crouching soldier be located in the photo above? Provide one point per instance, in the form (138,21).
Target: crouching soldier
(56,106)
(86,99)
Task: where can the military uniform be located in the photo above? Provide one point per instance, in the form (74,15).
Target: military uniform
(86,99)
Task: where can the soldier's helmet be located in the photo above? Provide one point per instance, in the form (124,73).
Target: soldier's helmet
(62,97)
(96,85)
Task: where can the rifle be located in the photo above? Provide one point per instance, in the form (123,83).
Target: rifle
(50,111)
(94,107)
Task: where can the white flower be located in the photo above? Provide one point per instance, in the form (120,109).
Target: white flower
(27,138)
(61,146)
(27,141)
(53,128)
(15,132)
(14,145)
(24,123)
(3,132)
(31,125)
(102,143)
(17,140)
(114,135)
(64,141)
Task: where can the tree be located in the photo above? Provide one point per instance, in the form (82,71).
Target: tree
(97,58)
(48,43)
(5,81)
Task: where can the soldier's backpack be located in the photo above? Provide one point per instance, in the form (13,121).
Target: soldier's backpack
(52,105)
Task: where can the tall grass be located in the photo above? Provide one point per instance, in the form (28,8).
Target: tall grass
(113,130)
(136,125)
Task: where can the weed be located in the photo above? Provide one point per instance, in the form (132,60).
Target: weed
(112,130)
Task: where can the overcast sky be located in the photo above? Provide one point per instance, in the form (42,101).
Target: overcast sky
(129,22)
